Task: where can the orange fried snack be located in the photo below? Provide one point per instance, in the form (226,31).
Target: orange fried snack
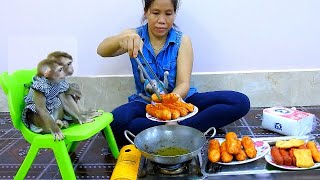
(276,156)
(314,150)
(162,114)
(214,151)
(289,143)
(225,156)
(214,144)
(292,156)
(287,160)
(174,113)
(188,106)
(233,147)
(249,147)
(303,158)
(183,111)
(166,98)
(231,135)
(241,156)
(303,146)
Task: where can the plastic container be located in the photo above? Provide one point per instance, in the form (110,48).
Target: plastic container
(127,165)
(288,121)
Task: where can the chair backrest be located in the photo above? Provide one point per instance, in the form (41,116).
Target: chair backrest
(15,86)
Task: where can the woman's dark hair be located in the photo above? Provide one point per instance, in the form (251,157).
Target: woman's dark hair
(147,4)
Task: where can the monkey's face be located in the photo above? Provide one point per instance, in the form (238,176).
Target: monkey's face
(67,66)
(56,74)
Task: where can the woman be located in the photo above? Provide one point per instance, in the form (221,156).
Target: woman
(167,49)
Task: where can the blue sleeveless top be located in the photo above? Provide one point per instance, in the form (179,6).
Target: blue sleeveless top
(166,60)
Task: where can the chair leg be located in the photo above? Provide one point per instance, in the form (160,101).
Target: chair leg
(27,162)
(63,160)
(111,141)
(73,146)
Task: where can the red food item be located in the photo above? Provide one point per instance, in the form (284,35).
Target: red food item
(286,157)
(276,156)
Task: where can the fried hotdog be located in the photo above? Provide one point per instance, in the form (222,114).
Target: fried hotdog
(166,98)
(225,156)
(214,151)
(292,156)
(276,156)
(242,155)
(249,146)
(314,151)
(174,113)
(162,114)
(182,110)
(233,147)
(287,160)
(188,106)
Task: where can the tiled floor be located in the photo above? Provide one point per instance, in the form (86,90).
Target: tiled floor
(92,159)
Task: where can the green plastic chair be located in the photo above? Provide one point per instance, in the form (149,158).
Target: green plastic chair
(13,86)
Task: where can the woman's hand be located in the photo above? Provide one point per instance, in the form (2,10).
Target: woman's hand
(130,42)
(126,41)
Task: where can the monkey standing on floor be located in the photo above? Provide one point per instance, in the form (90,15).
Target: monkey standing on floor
(148,87)
(73,94)
(44,112)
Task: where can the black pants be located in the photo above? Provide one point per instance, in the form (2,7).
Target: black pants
(217,109)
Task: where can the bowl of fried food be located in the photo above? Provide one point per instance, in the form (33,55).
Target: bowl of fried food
(232,150)
(170,108)
(294,154)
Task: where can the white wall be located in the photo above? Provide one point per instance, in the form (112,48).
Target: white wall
(228,35)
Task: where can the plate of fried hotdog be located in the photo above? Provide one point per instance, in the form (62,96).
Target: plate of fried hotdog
(294,154)
(171,108)
(232,150)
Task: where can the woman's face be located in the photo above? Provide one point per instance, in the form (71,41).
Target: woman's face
(160,17)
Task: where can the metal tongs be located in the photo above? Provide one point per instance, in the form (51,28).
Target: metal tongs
(153,85)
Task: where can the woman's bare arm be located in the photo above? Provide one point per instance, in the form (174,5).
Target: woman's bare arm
(126,41)
(184,67)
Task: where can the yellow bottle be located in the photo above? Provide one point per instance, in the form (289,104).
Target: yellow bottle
(127,165)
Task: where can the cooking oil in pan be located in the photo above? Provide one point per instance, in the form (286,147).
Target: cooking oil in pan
(171,151)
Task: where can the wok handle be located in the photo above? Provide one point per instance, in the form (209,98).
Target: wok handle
(126,132)
(211,129)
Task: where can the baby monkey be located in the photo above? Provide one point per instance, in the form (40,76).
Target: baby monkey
(148,87)
(73,94)
(44,112)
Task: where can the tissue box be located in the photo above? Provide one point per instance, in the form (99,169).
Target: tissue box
(287,121)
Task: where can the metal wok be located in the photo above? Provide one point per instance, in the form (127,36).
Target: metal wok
(150,140)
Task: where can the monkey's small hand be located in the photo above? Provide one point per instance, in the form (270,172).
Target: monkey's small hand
(62,124)
(88,120)
(57,133)
(85,119)
(58,136)
(92,115)
(90,110)
(74,91)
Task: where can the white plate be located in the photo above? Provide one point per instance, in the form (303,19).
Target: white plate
(268,158)
(195,111)
(262,149)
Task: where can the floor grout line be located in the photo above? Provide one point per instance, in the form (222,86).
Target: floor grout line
(248,126)
(7,132)
(85,152)
(45,169)
(13,143)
